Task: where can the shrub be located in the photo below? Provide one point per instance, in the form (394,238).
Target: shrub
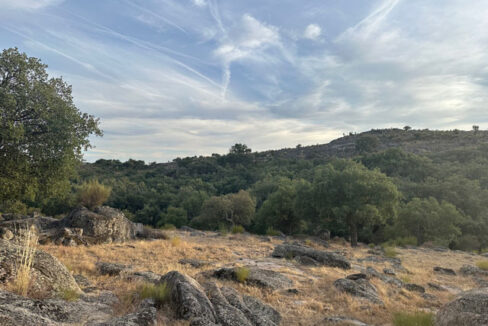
(272,232)
(23,267)
(168,227)
(242,273)
(390,252)
(413,319)
(483,264)
(175,241)
(92,194)
(68,295)
(371,245)
(237,229)
(223,230)
(159,292)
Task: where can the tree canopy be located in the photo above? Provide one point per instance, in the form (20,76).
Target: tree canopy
(42,133)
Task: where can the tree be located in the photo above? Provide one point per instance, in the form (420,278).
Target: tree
(240,149)
(367,144)
(476,128)
(42,133)
(350,194)
(407,128)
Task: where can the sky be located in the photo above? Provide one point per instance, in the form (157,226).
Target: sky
(176,78)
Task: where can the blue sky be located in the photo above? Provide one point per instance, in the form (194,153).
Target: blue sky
(175,78)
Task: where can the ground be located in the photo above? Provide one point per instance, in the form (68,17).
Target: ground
(316,297)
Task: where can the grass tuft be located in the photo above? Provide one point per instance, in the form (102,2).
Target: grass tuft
(68,295)
(390,252)
(419,318)
(159,293)
(23,267)
(237,229)
(175,241)
(242,273)
(482,264)
(272,232)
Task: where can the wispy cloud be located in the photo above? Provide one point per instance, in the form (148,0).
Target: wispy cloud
(28,4)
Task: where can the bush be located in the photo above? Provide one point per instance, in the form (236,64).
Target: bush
(272,232)
(402,242)
(23,267)
(237,229)
(242,273)
(93,194)
(390,252)
(159,293)
(168,227)
(413,319)
(223,230)
(483,265)
(175,241)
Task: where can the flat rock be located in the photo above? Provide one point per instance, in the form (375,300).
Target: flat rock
(445,271)
(112,269)
(358,288)
(472,270)
(469,308)
(257,276)
(322,257)
(340,321)
(414,287)
(196,263)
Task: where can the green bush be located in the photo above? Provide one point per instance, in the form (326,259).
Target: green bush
(68,295)
(413,319)
(272,232)
(402,242)
(483,265)
(237,229)
(159,293)
(242,273)
(92,194)
(168,227)
(223,229)
(390,252)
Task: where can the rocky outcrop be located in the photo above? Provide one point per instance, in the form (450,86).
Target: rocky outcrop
(414,287)
(111,269)
(256,276)
(340,321)
(468,270)
(103,225)
(144,316)
(48,275)
(445,271)
(358,288)
(470,308)
(321,257)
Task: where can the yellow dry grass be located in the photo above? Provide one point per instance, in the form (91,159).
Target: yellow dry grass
(316,297)
(23,267)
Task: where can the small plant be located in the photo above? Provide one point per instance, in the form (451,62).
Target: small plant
(237,229)
(159,292)
(175,241)
(223,230)
(405,279)
(167,226)
(242,273)
(483,264)
(26,254)
(92,194)
(308,242)
(371,245)
(68,295)
(419,318)
(390,252)
(272,232)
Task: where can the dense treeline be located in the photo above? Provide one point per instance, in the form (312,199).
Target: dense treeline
(376,196)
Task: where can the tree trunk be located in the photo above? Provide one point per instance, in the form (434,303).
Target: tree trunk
(354,234)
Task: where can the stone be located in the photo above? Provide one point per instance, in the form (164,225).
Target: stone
(6,234)
(472,270)
(357,276)
(307,261)
(260,277)
(145,315)
(389,271)
(111,269)
(48,275)
(358,288)
(196,263)
(188,298)
(436,287)
(469,308)
(340,321)
(146,277)
(322,257)
(414,287)
(371,272)
(102,225)
(445,271)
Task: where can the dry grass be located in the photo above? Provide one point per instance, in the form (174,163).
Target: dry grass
(316,297)
(23,267)
(483,264)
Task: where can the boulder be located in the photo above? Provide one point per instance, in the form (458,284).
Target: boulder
(322,257)
(371,272)
(472,271)
(469,308)
(48,275)
(307,261)
(358,288)
(103,225)
(261,277)
(145,315)
(195,263)
(357,276)
(445,271)
(111,269)
(188,298)
(414,287)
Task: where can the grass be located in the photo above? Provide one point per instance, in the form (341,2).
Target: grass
(175,241)
(23,267)
(272,232)
(68,295)
(390,252)
(482,264)
(237,229)
(413,319)
(223,230)
(159,293)
(405,279)
(242,273)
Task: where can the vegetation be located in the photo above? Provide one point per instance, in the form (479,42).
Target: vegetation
(419,318)
(242,274)
(483,265)
(68,295)
(42,133)
(23,267)
(93,194)
(158,292)
(390,252)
